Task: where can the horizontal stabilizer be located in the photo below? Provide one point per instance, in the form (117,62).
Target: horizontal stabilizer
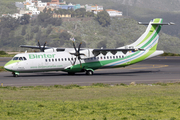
(145,23)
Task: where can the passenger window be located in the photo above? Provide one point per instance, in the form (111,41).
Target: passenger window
(104,57)
(49,60)
(52,60)
(46,60)
(55,59)
(59,59)
(111,57)
(116,56)
(72,59)
(69,59)
(119,56)
(65,59)
(107,57)
(62,59)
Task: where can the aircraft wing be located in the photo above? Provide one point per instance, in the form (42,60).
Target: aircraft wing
(37,47)
(113,51)
(33,47)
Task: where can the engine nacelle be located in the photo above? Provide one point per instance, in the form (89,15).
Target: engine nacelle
(51,50)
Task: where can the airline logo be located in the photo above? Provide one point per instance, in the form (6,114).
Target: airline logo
(38,56)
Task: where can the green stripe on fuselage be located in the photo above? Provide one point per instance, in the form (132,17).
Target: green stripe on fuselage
(11,62)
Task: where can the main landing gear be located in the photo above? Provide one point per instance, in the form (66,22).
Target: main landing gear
(89,72)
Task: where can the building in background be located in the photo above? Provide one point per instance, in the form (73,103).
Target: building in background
(94,9)
(114,13)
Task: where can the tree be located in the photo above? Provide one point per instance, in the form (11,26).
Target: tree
(102,44)
(49,29)
(9,22)
(64,36)
(23,32)
(80,12)
(45,10)
(35,29)
(103,18)
(25,19)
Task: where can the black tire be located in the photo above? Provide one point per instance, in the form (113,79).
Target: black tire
(15,75)
(89,72)
(71,73)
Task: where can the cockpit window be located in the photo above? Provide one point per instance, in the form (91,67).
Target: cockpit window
(19,58)
(24,58)
(16,58)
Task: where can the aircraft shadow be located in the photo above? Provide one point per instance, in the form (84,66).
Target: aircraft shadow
(128,73)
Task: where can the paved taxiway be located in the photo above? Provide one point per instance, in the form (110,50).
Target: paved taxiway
(158,69)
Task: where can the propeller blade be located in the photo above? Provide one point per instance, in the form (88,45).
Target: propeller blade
(39,45)
(80,63)
(75,47)
(77,53)
(79,47)
(44,46)
(74,61)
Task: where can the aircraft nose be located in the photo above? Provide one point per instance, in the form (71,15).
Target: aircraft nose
(8,66)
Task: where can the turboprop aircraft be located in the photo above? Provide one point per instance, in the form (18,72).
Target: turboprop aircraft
(73,60)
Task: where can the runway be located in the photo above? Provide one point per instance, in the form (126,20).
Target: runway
(158,69)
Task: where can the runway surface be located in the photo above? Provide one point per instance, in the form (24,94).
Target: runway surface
(158,69)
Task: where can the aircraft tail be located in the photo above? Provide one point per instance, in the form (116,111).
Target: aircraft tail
(149,39)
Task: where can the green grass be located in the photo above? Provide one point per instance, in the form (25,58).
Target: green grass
(170,54)
(9,55)
(2,69)
(96,102)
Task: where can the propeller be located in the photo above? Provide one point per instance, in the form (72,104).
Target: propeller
(77,53)
(40,47)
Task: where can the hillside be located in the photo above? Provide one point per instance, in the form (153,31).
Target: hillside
(160,5)
(121,32)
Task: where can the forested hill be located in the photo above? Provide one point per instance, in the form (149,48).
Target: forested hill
(158,5)
(122,31)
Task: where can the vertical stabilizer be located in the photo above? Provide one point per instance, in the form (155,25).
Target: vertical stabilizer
(149,39)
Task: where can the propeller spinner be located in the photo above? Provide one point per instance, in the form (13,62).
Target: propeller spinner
(77,53)
(40,47)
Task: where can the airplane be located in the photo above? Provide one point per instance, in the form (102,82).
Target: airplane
(74,60)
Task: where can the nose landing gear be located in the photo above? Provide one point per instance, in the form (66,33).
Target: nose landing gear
(15,74)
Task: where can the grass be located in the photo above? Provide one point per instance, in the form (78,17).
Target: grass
(170,54)
(8,55)
(2,69)
(96,102)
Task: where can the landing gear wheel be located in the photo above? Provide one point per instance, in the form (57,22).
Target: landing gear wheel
(89,72)
(71,73)
(14,74)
